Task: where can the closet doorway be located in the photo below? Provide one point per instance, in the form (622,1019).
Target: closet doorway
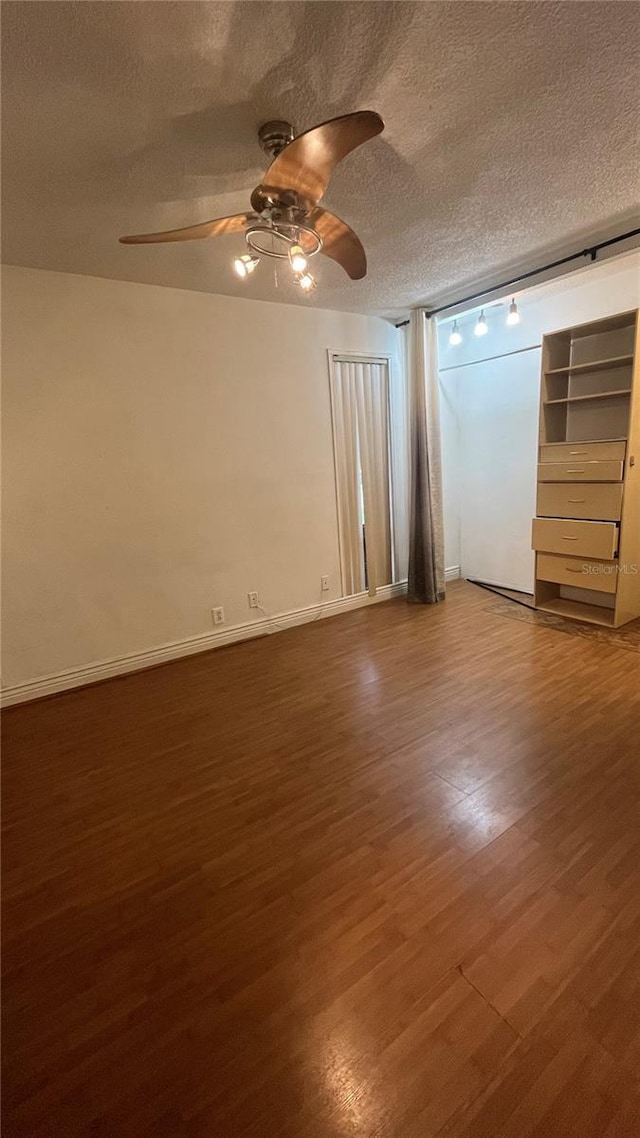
(360,413)
(498,432)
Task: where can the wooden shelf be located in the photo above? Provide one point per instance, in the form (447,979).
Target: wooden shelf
(583,442)
(595,365)
(584,398)
(578,610)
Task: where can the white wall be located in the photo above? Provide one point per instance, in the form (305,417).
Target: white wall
(489,441)
(164,452)
(451,470)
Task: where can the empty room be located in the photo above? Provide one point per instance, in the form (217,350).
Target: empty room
(320,569)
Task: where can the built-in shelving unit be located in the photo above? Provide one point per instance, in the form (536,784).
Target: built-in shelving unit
(587,530)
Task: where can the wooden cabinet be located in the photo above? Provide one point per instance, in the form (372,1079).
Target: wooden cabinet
(587,531)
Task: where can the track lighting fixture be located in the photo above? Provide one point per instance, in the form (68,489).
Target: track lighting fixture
(245,264)
(513,315)
(481,326)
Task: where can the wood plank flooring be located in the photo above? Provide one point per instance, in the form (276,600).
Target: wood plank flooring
(375,877)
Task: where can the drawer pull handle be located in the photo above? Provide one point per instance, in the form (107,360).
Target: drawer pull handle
(575,470)
(575,499)
(578,452)
(568,569)
(565,537)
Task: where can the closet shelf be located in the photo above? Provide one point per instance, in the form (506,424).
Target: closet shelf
(622,392)
(595,365)
(588,442)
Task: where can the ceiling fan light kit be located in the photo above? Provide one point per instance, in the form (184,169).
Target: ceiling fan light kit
(287,222)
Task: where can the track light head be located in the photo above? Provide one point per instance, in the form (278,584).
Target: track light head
(481,327)
(455,337)
(513,316)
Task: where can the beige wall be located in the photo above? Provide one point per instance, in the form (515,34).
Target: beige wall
(164,452)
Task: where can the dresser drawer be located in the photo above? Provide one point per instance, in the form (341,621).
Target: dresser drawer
(587,452)
(601,500)
(609,470)
(598,576)
(579,539)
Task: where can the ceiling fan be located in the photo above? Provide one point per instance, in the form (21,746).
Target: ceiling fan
(286,221)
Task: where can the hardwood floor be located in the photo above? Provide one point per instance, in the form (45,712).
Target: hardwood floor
(375,877)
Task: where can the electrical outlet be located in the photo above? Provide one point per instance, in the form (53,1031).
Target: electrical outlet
(324,584)
(253,600)
(218,615)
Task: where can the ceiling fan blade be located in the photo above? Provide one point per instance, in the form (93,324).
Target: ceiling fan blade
(339,242)
(307,163)
(233,224)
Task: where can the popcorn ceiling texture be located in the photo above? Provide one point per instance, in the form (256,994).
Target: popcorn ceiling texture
(511,131)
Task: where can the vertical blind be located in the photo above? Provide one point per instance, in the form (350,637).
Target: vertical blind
(360,401)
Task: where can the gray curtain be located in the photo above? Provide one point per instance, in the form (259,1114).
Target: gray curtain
(426,531)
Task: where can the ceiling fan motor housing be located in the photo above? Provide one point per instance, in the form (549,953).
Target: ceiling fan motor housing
(273,201)
(274,136)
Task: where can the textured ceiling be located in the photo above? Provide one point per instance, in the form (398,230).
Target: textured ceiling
(511,132)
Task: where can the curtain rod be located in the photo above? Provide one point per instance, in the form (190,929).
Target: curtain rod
(592,252)
(488,359)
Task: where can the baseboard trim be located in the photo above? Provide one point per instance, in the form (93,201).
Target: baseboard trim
(452,574)
(175,650)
